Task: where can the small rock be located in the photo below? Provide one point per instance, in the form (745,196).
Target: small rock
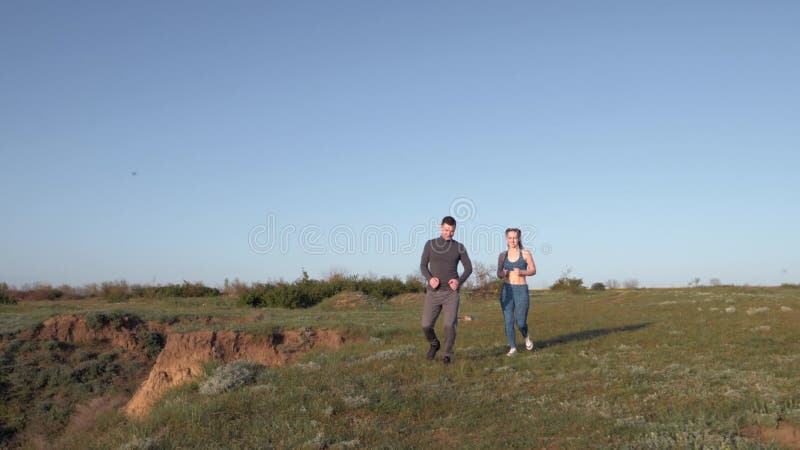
(309,366)
(347,444)
(355,401)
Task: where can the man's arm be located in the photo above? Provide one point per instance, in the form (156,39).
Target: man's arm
(467,265)
(426,258)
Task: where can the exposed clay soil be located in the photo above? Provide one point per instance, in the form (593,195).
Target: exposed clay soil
(785,434)
(406,299)
(184,354)
(349,300)
(74,329)
(181,360)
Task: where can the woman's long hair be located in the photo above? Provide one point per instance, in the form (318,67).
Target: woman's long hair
(519,236)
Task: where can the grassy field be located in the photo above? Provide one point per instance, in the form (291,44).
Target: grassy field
(666,368)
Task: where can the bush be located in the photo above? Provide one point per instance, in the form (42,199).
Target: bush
(598,287)
(115,291)
(414,284)
(565,283)
(306,292)
(484,281)
(38,292)
(118,297)
(230,376)
(5,295)
(234,288)
(184,290)
(41,381)
(285,295)
(70,293)
(151,342)
(98,320)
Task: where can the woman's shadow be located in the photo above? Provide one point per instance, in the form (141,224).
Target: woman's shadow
(586,335)
(560,340)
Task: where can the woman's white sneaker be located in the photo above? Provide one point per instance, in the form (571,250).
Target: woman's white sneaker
(528,343)
(512,352)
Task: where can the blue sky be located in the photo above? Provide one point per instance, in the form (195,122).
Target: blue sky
(648,140)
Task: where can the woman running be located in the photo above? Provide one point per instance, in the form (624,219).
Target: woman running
(513,266)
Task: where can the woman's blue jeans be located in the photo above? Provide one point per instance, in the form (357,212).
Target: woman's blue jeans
(515,301)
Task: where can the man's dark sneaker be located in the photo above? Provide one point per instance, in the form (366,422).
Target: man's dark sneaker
(446,360)
(432,351)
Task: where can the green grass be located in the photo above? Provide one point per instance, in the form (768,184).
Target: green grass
(666,368)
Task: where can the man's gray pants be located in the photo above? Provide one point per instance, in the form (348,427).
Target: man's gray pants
(435,301)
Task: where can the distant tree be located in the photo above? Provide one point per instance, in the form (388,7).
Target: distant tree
(567,283)
(714,282)
(598,287)
(484,280)
(631,283)
(612,284)
(5,295)
(694,282)
(574,285)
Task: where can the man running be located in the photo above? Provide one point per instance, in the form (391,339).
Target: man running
(439,266)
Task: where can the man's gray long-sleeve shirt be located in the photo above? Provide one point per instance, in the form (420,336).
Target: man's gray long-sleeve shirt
(440,259)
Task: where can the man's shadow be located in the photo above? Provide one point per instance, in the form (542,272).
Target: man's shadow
(560,340)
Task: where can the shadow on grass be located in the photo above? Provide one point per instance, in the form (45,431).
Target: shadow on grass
(558,340)
(586,335)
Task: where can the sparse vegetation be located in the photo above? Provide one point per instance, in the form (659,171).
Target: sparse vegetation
(114,291)
(631,283)
(234,288)
(185,290)
(38,292)
(42,382)
(100,319)
(151,342)
(5,295)
(484,281)
(232,375)
(307,292)
(600,376)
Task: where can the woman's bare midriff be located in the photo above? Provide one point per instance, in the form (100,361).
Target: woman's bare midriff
(515,279)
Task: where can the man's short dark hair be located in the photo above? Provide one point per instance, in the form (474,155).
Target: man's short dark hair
(449,221)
